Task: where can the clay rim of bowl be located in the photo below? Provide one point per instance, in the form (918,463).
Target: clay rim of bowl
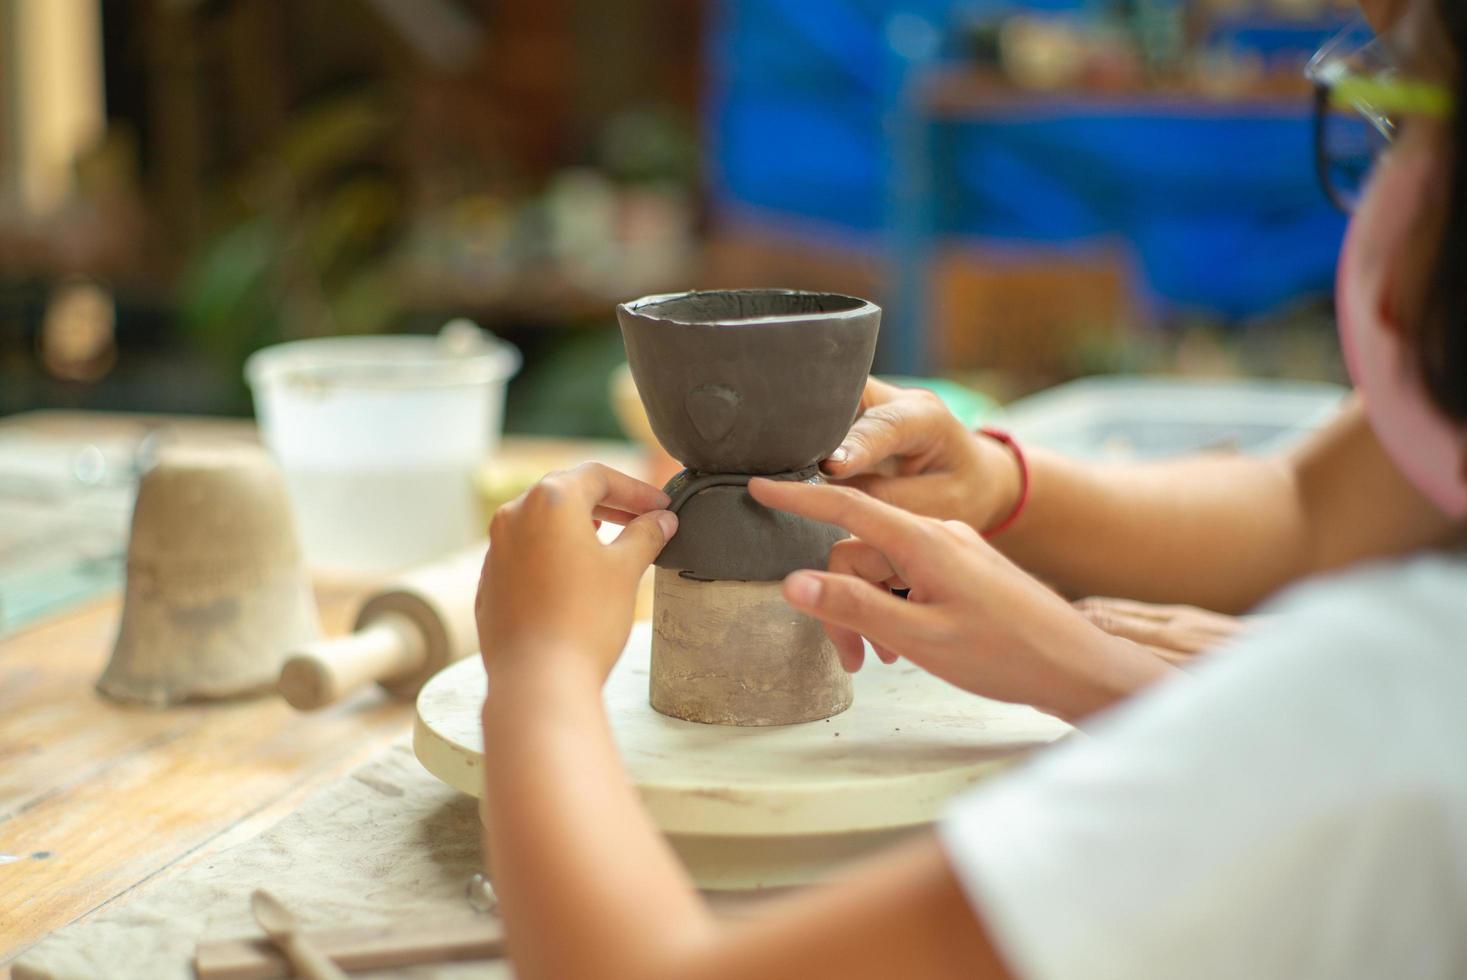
(645,308)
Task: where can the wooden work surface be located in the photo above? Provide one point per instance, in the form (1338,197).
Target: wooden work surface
(96,798)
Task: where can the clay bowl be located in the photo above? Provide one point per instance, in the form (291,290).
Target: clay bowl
(750,380)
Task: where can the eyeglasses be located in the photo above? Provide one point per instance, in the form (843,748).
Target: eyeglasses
(1360,103)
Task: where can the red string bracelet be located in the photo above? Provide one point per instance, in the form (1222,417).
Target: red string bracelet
(1008,440)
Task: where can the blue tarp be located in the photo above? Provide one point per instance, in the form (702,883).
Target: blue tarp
(1220,206)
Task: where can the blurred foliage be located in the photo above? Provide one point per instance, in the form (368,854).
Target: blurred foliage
(300,240)
(650,144)
(566,390)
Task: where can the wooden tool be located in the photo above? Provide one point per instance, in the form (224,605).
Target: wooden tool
(281,927)
(376,948)
(403,635)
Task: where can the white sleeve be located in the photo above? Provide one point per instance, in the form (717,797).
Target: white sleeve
(1299,809)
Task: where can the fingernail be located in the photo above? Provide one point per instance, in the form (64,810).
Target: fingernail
(840,455)
(802,590)
(667,520)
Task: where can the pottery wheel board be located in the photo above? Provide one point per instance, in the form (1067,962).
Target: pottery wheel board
(768,807)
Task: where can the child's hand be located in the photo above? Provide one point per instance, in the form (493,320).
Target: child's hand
(906,448)
(972,617)
(552,593)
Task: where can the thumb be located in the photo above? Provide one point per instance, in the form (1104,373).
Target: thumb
(644,538)
(891,430)
(873,438)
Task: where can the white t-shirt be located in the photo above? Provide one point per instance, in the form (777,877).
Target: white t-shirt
(1297,809)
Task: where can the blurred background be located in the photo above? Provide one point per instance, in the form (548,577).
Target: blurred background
(1034,191)
(1116,191)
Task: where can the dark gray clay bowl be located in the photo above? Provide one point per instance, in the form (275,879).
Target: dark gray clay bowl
(750,380)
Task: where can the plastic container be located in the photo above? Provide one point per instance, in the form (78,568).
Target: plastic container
(1126,417)
(380,438)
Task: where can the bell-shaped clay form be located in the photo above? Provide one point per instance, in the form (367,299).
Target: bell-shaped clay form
(217,590)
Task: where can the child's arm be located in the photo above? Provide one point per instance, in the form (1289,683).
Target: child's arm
(1218,530)
(587,886)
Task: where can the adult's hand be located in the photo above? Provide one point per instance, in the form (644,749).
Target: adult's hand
(1174,633)
(971,616)
(550,589)
(907,449)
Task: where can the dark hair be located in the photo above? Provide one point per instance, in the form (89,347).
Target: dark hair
(1442,341)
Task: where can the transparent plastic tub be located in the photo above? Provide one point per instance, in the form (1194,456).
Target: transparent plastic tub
(1125,417)
(380,438)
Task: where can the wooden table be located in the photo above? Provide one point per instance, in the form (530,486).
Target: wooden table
(97,798)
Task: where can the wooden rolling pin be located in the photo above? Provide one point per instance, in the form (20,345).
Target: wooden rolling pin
(403,635)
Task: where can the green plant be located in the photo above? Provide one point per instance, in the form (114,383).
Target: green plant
(302,236)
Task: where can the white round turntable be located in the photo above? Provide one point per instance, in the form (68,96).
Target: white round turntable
(766,807)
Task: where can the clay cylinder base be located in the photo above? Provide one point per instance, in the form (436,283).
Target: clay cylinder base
(735,653)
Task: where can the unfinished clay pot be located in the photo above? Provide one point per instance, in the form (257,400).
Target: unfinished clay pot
(753,381)
(217,589)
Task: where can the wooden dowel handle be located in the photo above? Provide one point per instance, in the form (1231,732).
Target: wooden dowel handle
(324,672)
(310,962)
(443,940)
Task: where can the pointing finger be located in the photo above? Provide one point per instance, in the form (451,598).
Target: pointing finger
(889,529)
(855,605)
